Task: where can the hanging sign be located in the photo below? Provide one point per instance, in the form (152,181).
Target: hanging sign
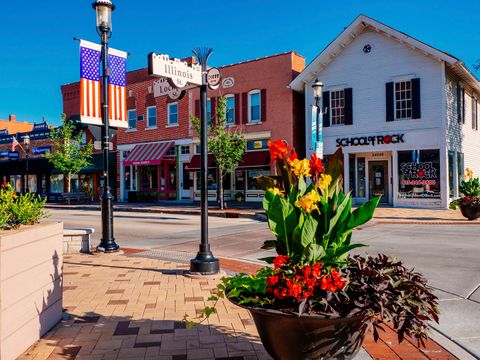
(228,82)
(178,72)
(371,140)
(4,153)
(13,155)
(213,78)
(162,87)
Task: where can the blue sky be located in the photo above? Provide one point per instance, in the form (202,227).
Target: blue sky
(38,53)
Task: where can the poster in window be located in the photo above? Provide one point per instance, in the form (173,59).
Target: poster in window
(419,174)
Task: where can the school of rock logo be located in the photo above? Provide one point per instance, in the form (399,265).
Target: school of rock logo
(371,140)
(418,173)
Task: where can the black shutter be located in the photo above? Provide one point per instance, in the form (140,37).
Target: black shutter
(326,108)
(237,109)
(197,108)
(348,106)
(263,105)
(389,101)
(459,104)
(416,112)
(244,108)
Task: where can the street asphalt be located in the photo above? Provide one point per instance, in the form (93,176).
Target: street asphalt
(448,255)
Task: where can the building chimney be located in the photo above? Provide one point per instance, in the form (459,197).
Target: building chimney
(12,118)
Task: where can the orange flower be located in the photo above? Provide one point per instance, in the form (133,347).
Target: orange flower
(293,156)
(316,166)
(278,150)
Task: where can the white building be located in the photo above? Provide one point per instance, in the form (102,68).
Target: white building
(404,113)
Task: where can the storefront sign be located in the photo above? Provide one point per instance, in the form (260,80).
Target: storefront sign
(162,87)
(13,155)
(421,173)
(4,154)
(4,132)
(178,72)
(41,150)
(228,82)
(371,140)
(213,78)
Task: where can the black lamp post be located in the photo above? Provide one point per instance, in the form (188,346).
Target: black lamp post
(204,263)
(26,142)
(104,10)
(317,94)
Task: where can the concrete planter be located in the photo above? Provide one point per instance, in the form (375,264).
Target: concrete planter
(77,240)
(31,265)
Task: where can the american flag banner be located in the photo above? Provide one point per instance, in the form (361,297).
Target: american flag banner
(90,85)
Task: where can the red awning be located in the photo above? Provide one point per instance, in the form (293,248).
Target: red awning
(148,154)
(250,159)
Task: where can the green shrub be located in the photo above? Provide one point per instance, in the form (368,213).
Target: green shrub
(23,209)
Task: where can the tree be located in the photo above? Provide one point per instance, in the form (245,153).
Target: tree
(226,145)
(68,155)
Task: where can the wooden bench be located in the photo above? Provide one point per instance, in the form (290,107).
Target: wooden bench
(74,196)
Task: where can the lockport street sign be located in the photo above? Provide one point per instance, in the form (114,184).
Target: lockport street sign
(178,72)
(162,87)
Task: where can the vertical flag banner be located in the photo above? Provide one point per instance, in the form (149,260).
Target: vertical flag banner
(90,103)
(117,85)
(314,128)
(90,85)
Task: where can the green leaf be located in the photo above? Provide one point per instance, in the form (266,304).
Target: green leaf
(308,230)
(314,252)
(269,244)
(363,214)
(302,186)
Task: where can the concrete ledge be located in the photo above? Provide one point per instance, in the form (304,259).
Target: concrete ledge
(77,240)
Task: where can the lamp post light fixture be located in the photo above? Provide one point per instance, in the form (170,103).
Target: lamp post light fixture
(317,94)
(104,9)
(26,142)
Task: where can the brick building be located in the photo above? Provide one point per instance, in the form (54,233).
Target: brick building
(158,154)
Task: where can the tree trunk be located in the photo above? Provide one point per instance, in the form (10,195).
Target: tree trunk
(221,203)
(68,176)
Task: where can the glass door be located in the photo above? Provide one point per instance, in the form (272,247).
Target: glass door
(378,180)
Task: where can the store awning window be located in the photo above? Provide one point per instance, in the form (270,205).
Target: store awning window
(148,154)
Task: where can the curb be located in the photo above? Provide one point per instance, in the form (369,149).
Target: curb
(451,346)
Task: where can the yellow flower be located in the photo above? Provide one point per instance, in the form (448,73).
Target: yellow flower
(300,167)
(468,175)
(325,181)
(275,191)
(309,201)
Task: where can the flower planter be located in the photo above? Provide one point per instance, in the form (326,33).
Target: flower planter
(290,337)
(470,212)
(31,261)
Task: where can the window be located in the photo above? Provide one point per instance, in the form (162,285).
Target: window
(56,183)
(451,172)
(151,117)
(198,149)
(185,149)
(230,110)
(474,114)
(32,183)
(173,114)
(337,105)
(84,138)
(251,175)
(254,106)
(419,174)
(209,110)
(132,119)
(460,170)
(361,177)
(403,100)
(17,183)
(351,170)
(171,151)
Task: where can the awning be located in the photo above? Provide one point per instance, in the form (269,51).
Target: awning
(251,159)
(148,154)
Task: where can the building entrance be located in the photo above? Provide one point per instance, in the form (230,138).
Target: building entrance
(378,180)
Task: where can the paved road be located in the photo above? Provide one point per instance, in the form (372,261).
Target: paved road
(449,255)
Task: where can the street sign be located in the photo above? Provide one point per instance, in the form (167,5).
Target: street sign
(97,145)
(162,87)
(178,72)
(213,78)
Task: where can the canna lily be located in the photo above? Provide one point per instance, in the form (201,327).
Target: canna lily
(324,182)
(300,167)
(316,166)
(309,201)
(468,175)
(278,150)
(275,191)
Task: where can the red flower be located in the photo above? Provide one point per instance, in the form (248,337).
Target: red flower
(272,280)
(293,156)
(280,293)
(294,289)
(316,269)
(278,150)
(280,260)
(316,166)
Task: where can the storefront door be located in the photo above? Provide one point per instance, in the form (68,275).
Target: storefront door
(378,180)
(168,180)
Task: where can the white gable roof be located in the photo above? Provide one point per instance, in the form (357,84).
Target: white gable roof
(362,23)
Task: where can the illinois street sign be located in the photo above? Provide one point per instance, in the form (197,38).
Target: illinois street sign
(178,72)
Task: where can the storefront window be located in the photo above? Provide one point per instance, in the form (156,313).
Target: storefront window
(361,177)
(460,169)
(251,174)
(239,180)
(56,183)
(419,174)
(75,183)
(351,170)
(32,183)
(451,172)
(212,180)
(16,182)
(149,177)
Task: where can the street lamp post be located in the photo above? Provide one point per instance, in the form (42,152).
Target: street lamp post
(204,263)
(317,94)
(104,10)
(26,142)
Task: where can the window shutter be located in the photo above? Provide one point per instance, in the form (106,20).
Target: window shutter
(389,101)
(348,106)
(237,109)
(326,108)
(263,105)
(459,103)
(197,108)
(416,108)
(244,108)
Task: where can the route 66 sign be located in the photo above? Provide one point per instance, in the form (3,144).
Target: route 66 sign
(213,78)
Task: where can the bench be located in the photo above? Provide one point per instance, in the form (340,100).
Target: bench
(74,196)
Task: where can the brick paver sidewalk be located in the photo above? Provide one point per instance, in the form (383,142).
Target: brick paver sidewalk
(120,307)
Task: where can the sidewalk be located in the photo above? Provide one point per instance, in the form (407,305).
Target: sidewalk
(126,306)
(383,214)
